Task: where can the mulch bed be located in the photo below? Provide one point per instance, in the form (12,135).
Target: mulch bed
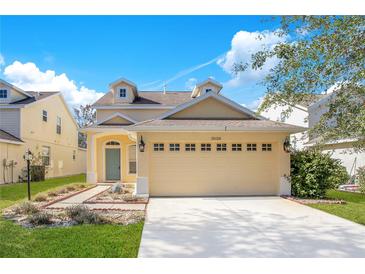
(107,197)
(314,201)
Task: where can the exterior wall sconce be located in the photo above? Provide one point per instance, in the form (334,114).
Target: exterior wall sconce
(141,145)
(286,145)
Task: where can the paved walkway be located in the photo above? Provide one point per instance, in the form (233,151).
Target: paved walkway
(83,196)
(246,227)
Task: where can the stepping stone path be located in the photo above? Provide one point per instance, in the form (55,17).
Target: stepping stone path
(85,195)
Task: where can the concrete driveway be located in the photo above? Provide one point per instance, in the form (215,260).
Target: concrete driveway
(246,227)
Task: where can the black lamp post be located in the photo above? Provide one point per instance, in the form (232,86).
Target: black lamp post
(28,157)
(141,145)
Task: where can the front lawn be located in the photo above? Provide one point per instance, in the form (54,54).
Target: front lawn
(77,241)
(353,210)
(9,194)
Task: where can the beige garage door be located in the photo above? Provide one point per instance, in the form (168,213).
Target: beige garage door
(183,173)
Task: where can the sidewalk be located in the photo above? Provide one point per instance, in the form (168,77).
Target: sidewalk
(83,196)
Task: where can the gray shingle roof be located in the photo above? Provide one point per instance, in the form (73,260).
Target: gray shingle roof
(36,97)
(249,125)
(150,98)
(9,137)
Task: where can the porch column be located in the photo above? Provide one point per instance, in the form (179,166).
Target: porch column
(91,166)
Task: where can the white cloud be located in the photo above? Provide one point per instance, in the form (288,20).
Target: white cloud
(29,77)
(243,45)
(190,83)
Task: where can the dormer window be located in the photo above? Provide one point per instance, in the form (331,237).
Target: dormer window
(3,93)
(122,92)
(208,90)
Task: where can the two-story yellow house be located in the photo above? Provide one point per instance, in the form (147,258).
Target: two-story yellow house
(43,123)
(197,143)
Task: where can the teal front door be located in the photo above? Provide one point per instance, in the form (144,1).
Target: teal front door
(112,164)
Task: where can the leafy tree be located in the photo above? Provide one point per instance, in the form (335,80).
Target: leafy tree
(85,116)
(319,53)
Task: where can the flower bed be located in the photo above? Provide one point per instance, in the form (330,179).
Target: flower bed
(109,197)
(29,215)
(315,201)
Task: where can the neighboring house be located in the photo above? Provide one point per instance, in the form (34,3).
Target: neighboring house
(307,114)
(342,149)
(177,143)
(41,122)
(298,116)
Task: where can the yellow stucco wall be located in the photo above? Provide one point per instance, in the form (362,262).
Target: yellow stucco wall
(209,108)
(213,173)
(36,133)
(136,114)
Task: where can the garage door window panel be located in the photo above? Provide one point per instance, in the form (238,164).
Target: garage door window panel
(189,147)
(221,147)
(266,147)
(251,147)
(158,147)
(236,147)
(205,147)
(174,147)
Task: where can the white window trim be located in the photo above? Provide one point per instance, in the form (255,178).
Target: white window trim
(118,88)
(7,94)
(129,173)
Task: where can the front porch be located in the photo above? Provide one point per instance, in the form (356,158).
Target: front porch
(112,158)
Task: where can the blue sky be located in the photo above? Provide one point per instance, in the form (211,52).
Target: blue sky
(82,54)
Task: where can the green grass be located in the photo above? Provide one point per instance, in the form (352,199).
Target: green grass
(353,210)
(77,241)
(9,194)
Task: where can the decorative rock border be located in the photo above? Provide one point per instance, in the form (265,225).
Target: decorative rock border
(314,201)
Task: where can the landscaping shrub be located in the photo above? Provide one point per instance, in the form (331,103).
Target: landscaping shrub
(361,178)
(70,188)
(26,208)
(83,215)
(52,194)
(40,218)
(40,198)
(313,172)
(61,191)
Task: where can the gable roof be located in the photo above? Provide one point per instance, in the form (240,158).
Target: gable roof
(34,96)
(6,137)
(220,98)
(115,115)
(15,88)
(148,98)
(198,86)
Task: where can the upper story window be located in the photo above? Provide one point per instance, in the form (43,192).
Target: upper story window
(44,115)
(208,90)
(58,126)
(266,147)
(122,92)
(3,93)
